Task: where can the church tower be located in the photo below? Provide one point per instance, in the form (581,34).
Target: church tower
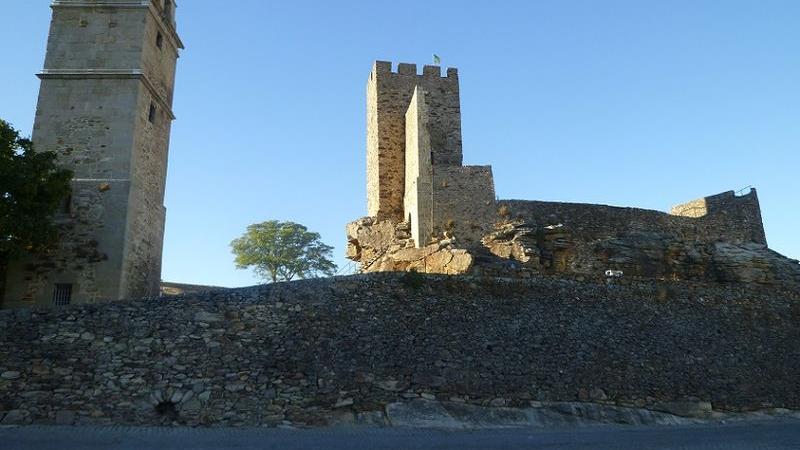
(105,107)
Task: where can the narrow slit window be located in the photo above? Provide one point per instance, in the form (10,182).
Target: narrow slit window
(151,116)
(159,40)
(62,294)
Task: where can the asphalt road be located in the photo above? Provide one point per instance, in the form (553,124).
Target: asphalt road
(749,436)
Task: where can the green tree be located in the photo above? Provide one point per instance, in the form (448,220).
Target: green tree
(32,188)
(281,251)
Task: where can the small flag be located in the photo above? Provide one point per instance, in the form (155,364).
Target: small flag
(436,60)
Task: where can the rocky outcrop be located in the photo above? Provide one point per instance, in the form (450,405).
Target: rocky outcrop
(555,249)
(382,246)
(519,248)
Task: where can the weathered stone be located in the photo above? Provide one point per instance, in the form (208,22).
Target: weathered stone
(234,387)
(375,339)
(391,385)
(598,394)
(205,316)
(342,402)
(698,409)
(192,406)
(480,417)
(416,182)
(65,417)
(10,375)
(420,413)
(16,417)
(112,131)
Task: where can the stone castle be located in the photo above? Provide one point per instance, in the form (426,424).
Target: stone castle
(105,107)
(429,213)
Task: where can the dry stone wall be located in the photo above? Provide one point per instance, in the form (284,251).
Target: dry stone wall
(737,220)
(314,351)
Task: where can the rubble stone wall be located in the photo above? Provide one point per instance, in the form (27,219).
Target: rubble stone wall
(463,203)
(740,215)
(312,351)
(731,219)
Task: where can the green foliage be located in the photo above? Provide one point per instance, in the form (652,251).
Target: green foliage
(281,251)
(32,189)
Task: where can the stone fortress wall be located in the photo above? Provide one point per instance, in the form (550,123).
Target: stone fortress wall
(429,213)
(105,109)
(388,98)
(342,349)
(726,243)
(734,218)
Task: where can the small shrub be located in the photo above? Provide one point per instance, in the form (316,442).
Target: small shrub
(504,211)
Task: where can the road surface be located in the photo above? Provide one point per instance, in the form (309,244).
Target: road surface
(739,436)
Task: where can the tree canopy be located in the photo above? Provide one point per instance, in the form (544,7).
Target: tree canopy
(32,188)
(281,251)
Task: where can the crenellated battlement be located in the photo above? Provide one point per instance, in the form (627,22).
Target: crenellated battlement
(407,69)
(389,92)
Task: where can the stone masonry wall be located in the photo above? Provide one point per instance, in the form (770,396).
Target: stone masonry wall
(116,37)
(147,215)
(146,212)
(720,238)
(313,351)
(739,216)
(86,123)
(158,64)
(464,203)
(388,97)
(419,176)
(737,221)
(104,72)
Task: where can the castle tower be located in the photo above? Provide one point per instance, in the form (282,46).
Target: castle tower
(105,107)
(388,97)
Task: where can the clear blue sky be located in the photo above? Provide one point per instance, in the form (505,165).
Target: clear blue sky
(632,103)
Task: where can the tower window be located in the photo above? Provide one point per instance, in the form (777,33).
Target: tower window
(159,40)
(62,294)
(151,116)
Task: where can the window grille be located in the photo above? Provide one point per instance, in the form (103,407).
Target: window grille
(62,294)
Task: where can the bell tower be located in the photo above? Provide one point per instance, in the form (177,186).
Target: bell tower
(105,107)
